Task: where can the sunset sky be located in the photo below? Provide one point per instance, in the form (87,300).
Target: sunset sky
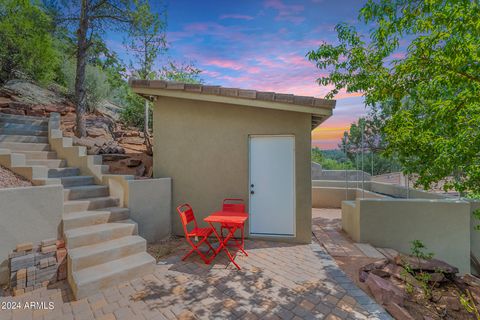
(261,45)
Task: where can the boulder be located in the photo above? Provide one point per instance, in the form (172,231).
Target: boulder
(384,291)
(432,265)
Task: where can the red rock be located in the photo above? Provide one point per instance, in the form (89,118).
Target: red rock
(398,312)
(363,272)
(133,162)
(400,273)
(432,265)
(450,302)
(13,111)
(61,255)
(384,291)
(60,244)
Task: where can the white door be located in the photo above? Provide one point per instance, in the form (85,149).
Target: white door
(272,185)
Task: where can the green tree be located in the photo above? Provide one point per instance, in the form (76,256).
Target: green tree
(431,86)
(91,19)
(26,42)
(181,72)
(146,41)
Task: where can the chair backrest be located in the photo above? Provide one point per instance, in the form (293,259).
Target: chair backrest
(186,214)
(233,205)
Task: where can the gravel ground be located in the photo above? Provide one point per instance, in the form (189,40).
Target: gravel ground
(8,179)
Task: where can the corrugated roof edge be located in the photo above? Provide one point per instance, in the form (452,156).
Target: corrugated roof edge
(234,92)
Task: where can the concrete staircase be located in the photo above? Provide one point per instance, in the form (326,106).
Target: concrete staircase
(103,246)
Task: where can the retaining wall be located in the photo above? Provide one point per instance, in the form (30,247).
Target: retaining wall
(29,214)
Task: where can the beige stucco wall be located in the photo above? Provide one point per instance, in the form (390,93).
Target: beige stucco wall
(149,202)
(203,147)
(29,214)
(442,225)
(474,234)
(332,197)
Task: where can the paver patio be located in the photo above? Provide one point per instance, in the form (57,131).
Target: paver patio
(277,281)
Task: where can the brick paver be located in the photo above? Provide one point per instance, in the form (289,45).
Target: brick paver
(277,281)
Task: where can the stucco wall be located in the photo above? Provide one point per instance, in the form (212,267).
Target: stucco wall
(337,175)
(29,214)
(442,225)
(149,202)
(474,234)
(332,197)
(203,147)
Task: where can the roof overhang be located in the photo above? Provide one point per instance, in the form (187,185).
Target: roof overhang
(320,109)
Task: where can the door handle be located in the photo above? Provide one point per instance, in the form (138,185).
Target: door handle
(252,192)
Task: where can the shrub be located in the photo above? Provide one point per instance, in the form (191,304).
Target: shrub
(27,46)
(96,84)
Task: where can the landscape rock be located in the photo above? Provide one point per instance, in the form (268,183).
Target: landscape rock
(450,302)
(384,291)
(432,265)
(398,312)
(134,162)
(114,157)
(401,274)
(363,272)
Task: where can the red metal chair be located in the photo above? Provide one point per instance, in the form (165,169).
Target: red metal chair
(232,205)
(199,234)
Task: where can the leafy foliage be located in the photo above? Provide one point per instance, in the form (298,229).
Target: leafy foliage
(181,72)
(26,43)
(431,90)
(96,81)
(331,160)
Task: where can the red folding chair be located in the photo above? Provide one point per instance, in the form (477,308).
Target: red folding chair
(200,235)
(233,205)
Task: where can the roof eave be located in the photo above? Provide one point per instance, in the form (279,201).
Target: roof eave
(321,111)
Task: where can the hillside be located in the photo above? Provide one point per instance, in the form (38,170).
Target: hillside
(122,147)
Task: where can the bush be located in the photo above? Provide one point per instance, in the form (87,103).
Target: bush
(134,111)
(96,84)
(26,44)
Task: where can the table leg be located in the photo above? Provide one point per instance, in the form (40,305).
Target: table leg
(223,244)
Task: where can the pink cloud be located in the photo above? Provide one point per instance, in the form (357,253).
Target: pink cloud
(232,64)
(286,12)
(236,16)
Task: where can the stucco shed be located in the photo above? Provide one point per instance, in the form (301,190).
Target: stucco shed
(217,143)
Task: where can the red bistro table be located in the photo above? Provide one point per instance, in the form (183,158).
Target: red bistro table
(235,220)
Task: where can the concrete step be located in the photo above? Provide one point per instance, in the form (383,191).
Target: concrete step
(90,235)
(23,131)
(14,146)
(88,256)
(49,163)
(63,172)
(77,181)
(31,172)
(22,119)
(89,204)
(88,218)
(34,155)
(30,126)
(82,192)
(21,138)
(103,276)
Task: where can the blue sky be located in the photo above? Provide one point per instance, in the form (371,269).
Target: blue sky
(260,45)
